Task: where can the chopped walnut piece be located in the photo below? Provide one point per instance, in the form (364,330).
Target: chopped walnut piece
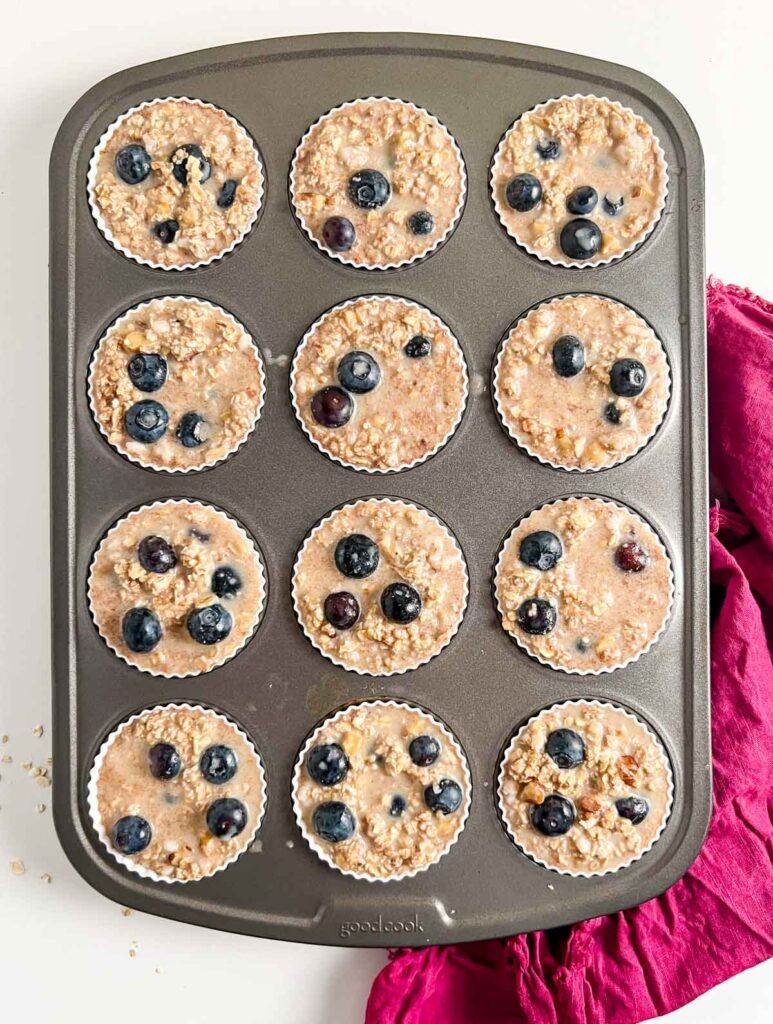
(533,793)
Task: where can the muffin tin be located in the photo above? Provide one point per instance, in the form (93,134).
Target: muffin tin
(279,486)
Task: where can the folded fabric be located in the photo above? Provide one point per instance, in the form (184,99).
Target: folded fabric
(718,919)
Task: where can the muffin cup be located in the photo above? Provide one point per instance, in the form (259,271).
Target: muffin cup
(312,840)
(93,803)
(91,181)
(521,443)
(120,448)
(588,671)
(296,606)
(341,256)
(259,563)
(500,779)
(581,264)
(337,458)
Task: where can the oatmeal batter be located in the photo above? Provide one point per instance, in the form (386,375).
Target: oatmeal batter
(584,585)
(565,382)
(194,360)
(176,182)
(417,388)
(579,180)
(398,784)
(168,767)
(380,586)
(176,588)
(378,182)
(611,779)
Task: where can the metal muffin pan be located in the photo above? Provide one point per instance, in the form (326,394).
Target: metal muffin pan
(279,485)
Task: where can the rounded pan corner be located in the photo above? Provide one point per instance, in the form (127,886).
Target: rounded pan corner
(80,853)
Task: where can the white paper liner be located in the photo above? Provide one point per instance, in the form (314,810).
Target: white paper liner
(93,802)
(259,565)
(521,442)
(120,448)
(337,458)
(91,182)
(320,847)
(579,873)
(653,538)
(564,262)
(342,256)
(296,597)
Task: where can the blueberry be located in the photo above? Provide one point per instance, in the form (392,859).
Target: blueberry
(356,556)
(338,234)
(443,797)
(146,421)
(209,625)
(549,149)
(537,616)
(165,231)
(369,189)
(333,821)
(132,164)
(634,808)
(611,413)
(418,347)
(523,193)
(226,817)
(424,750)
(147,371)
(422,223)
(566,748)
(180,160)
(397,807)
(327,764)
(580,239)
(359,372)
(568,356)
(131,834)
(583,644)
(612,205)
(400,603)
(192,430)
(226,582)
(554,816)
(628,378)
(341,609)
(541,550)
(141,630)
(582,201)
(165,761)
(218,764)
(332,407)
(631,557)
(156,554)
(227,194)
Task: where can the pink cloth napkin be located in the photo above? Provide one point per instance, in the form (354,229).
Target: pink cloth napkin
(718,919)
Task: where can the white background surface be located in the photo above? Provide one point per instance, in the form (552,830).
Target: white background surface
(64,950)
